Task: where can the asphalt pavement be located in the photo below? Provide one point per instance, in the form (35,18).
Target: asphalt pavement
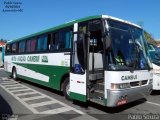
(23,100)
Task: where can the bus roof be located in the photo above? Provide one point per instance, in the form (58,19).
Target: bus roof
(71,23)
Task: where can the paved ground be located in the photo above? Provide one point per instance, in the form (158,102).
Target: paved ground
(25,101)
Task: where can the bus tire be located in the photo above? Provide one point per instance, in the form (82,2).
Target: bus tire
(66,89)
(14,73)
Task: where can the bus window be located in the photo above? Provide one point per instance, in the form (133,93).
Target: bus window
(65,37)
(68,39)
(31,45)
(28,46)
(54,37)
(8,50)
(21,47)
(42,43)
(14,48)
(49,40)
(96,44)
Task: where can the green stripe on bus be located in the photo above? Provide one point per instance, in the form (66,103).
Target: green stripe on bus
(55,74)
(77,96)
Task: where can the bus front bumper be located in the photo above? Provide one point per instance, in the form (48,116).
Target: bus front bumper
(120,97)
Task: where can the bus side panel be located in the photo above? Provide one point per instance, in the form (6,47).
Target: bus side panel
(8,64)
(156,77)
(156,81)
(46,72)
(49,76)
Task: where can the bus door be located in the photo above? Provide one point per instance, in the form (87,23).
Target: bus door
(87,71)
(95,56)
(78,66)
(96,63)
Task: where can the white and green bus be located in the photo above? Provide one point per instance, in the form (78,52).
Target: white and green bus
(154,52)
(99,58)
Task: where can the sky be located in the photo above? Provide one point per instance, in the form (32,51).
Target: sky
(38,15)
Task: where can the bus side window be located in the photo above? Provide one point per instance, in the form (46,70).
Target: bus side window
(54,41)
(21,47)
(68,39)
(42,43)
(8,49)
(14,47)
(49,41)
(33,45)
(65,39)
(28,46)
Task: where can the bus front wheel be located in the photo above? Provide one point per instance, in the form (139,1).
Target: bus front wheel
(66,91)
(14,73)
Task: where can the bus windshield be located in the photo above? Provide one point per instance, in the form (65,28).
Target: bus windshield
(154,53)
(155,58)
(128,50)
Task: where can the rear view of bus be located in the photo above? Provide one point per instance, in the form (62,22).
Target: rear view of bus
(109,62)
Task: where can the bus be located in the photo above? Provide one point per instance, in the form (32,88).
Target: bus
(154,52)
(100,58)
(1,54)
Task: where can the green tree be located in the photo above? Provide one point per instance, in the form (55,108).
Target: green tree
(149,38)
(3,40)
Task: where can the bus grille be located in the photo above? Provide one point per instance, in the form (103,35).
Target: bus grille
(138,83)
(134,84)
(144,82)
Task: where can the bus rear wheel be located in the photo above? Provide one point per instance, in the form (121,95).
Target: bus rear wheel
(66,87)
(14,73)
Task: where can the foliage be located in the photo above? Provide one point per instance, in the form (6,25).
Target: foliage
(3,40)
(150,39)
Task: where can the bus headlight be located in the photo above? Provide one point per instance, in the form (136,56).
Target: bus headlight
(115,86)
